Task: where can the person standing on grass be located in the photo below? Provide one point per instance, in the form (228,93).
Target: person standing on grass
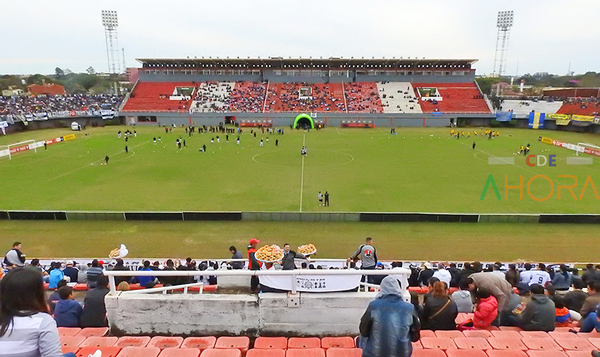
(106,158)
(126,149)
(320,198)
(326,198)
(276,143)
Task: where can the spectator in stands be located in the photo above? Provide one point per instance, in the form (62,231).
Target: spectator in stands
(123,286)
(562,280)
(593,299)
(236,255)
(462,298)
(120,266)
(466,271)
(82,275)
(455,274)
(498,287)
(563,316)
(169,280)
(93,273)
(367,255)
(425,274)
(147,281)
(590,274)
(539,313)
(289,260)
(67,311)
(22,304)
(389,324)
(94,308)
(487,309)
(512,275)
(591,322)
(439,311)
(443,274)
(56,275)
(497,269)
(575,298)
(14,257)
(575,276)
(253,264)
(54,297)
(35,265)
(71,272)
(540,275)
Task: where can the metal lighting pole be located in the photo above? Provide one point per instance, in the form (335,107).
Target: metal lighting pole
(110,22)
(504,24)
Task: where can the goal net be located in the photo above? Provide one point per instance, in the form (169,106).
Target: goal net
(10,149)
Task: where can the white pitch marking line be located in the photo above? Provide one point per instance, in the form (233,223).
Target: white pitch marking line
(302,176)
(336,129)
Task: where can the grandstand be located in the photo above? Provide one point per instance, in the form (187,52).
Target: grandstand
(524,107)
(333,86)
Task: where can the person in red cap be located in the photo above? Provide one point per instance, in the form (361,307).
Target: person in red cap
(253,264)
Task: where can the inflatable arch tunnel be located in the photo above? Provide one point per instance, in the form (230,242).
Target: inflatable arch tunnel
(304,119)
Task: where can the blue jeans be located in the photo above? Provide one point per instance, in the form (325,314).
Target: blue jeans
(590,323)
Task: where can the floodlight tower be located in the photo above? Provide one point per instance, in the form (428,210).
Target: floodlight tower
(110,23)
(504,24)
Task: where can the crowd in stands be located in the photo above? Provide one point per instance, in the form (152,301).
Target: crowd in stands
(285,97)
(23,105)
(363,97)
(245,97)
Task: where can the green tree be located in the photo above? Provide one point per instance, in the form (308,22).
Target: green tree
(91,70)
(59,73)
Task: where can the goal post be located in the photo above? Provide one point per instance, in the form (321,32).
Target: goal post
(8,150)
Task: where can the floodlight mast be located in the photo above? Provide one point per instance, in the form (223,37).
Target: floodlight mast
(110,22)
(504,23)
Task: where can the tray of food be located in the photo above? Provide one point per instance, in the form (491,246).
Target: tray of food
(307,249)
(269,253)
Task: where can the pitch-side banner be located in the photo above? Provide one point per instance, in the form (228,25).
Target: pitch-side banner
(536,120)
(312,283)
(504,116)
(561,119)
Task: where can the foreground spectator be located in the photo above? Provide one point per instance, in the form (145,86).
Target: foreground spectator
(67,311)
(443,274)
(72,272)
(593,299)
(512,275)
(562,280)
(590,274)
(94,308)
(389,324)
(487,309)
(498,287)
(463,300)
(539,314)
(591,322)
(14,257)
(439,311)
(575,298)
(22,305)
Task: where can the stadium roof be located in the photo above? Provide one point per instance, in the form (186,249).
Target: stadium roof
(290,63)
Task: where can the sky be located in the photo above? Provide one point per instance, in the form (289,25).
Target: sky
(548,36)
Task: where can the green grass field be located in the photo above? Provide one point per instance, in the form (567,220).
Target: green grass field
(364,170)
(401,241)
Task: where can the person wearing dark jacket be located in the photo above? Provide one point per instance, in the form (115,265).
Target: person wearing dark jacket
(590,274)
(71,272)
(288,261)
(439,311)
(512,275)
(168,280)
(575,298)
(93,273)
(389,324)
(94,309)
(236,254)
(54,297)
(120,266)
(539,314)
(67,311)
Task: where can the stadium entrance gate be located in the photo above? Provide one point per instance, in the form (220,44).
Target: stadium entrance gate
(304,120)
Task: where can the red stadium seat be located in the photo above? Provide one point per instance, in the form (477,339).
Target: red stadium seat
(271,342)
(107,351)
(179,352)
(578,353)
(266,352)
(67,349)
(427,333)
(213,352)
(472,343)
(546,354)
(305,352)
(417,345)
(545,344)
(242,343)
(72,341)
(343,352)
(478,333)
(506,343)
(462,317)
(438,343)
(201,343)
(95,341)
(428,353)
(132,341)
(593,340)
(506,353)
(337,342)
(68,331)
(510,328)
(163,342)
(466,353)
(507,334)
(450,334)
(535,334)
(563,334)
(574,344)
(304,342)
(139,352)
(80,287)
(93,332)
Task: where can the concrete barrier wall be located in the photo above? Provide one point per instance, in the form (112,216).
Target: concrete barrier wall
(275,314)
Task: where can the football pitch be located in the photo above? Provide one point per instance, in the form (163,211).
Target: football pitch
(364,170)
